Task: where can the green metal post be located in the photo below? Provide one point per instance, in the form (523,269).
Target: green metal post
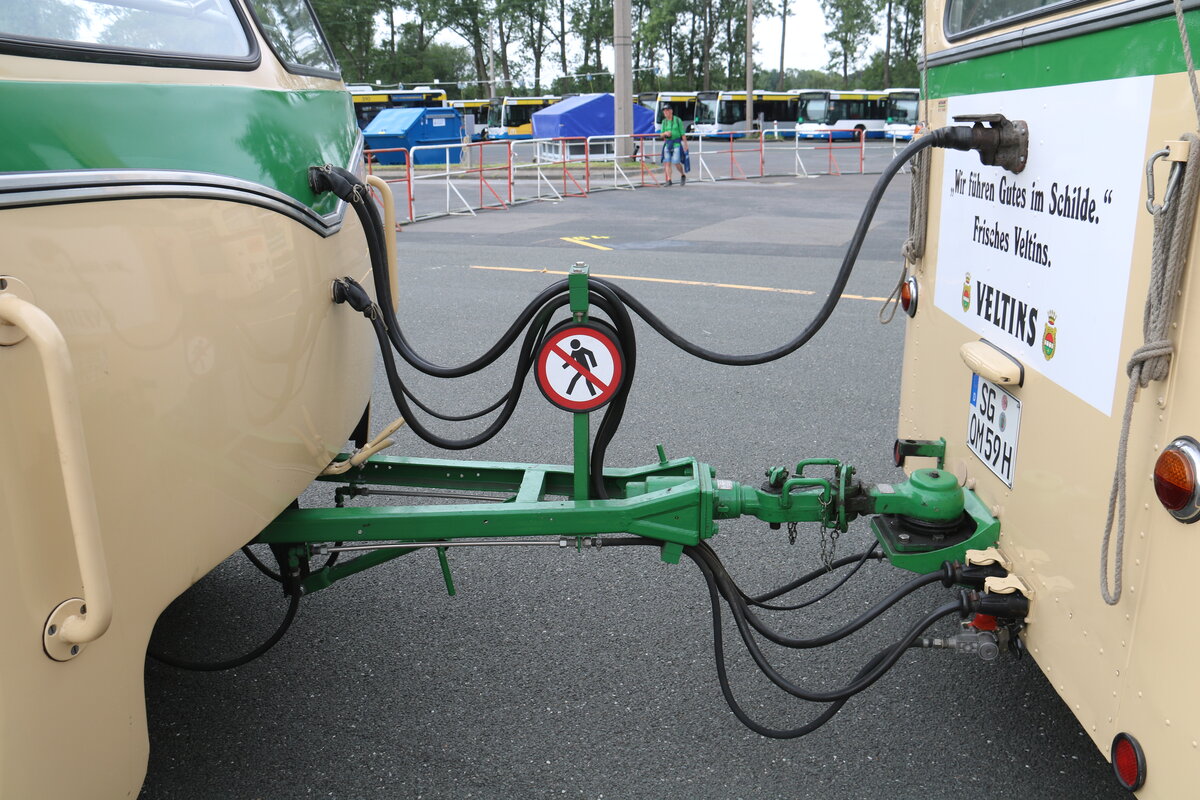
(577,286)
(582,454)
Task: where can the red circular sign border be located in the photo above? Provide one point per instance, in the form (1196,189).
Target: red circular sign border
(597,330)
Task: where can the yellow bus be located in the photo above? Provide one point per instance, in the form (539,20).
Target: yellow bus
(369,101)
(512,117)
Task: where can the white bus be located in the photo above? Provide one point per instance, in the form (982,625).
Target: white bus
(479,109)
(683,104)
(901,113)
(724,112)
(827,114)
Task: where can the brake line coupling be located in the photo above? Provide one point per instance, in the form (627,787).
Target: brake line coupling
(999,141)
(991,622)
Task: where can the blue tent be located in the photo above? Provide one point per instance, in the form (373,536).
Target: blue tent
(586,115)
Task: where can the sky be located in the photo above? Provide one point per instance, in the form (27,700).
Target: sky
(805,48)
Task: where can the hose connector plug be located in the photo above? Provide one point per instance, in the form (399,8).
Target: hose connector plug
(1004,143)
(955,573)
(1004,606)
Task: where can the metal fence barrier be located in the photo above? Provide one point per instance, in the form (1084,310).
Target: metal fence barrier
(469,177)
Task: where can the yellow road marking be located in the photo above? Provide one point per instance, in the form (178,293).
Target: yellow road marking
(743,287)
(580,240)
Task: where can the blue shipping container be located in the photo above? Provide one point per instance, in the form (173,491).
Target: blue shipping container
(413,127)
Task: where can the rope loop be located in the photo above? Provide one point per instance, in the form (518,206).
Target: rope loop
(1150,362)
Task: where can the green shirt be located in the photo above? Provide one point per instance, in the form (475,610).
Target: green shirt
(673,126)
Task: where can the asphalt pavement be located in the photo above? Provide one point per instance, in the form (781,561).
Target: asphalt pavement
(591,675)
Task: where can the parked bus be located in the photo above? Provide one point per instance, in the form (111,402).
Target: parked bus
(480,109)
(369,101)
(167,269)
(824,114)
(683,104)
(512,117)
(1051,347)
(648,99)
(901,113)
(724,112)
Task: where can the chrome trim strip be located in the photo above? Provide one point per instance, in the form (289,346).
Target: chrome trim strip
(24,189)
(134,189)
(1098,19)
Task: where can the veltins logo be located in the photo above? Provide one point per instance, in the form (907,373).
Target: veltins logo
(966,298)
(1050,336)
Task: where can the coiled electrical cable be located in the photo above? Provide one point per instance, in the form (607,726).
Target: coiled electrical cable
(863,681)
(831,301)
(716,578)
(735,599)
(871,552)
(218,666)
(349,188)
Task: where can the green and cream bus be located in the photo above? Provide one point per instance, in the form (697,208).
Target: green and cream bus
(1037,301)
(167,341)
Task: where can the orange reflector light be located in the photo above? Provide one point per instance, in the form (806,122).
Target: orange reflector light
(1175,479)
(1128,761)
(908,296)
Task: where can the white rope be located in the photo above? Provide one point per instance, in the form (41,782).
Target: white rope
(1187,56)
(918,199)
(1152,361)
(918,220)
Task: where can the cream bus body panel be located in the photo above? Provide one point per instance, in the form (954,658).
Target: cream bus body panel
(1123,668)
(216,380)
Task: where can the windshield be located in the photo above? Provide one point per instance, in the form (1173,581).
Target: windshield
(520,115)
(706,112)
(903,110)
(813,110)
(292,32)
(188,27)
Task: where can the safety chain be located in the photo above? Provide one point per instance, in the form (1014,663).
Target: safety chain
(792,528)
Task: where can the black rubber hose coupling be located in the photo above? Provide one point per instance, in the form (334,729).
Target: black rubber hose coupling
(1003,143)
(1002,606)
(341,182)
(955,573)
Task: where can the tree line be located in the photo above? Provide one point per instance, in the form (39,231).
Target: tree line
(677,44)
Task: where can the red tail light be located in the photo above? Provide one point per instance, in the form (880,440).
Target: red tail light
(1175,479)
(908,296)
(1128,761)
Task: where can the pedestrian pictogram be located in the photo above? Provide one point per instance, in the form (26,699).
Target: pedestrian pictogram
(580,365)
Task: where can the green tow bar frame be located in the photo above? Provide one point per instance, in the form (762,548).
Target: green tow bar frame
(920,523)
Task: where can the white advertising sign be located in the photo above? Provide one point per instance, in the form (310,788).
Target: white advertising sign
(1038,263)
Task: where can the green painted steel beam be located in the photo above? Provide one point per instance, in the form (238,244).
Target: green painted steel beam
(677,503)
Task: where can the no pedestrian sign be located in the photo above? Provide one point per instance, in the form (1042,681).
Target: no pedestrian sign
(580,366)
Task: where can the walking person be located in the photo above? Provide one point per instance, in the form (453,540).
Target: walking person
(581,356)
(674,149)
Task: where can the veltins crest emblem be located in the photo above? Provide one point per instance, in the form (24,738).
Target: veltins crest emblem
(966,297)
(1050,336)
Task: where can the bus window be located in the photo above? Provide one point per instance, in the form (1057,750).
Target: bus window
(292,31)
(161,26)
(972,16)
(732,111)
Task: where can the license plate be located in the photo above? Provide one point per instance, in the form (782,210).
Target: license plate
(993,425)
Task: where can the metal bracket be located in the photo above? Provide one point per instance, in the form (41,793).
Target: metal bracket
(986,557)
(1177,153)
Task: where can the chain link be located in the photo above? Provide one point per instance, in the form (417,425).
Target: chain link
(792,526)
